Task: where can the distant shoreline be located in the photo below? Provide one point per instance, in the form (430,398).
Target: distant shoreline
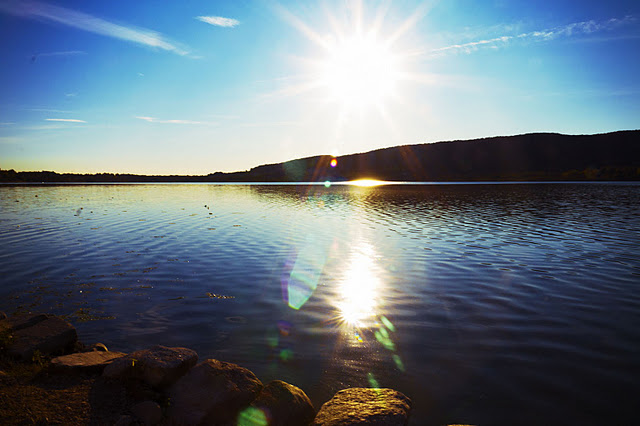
(536,157)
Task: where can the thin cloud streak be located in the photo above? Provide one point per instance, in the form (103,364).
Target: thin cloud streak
(155,120)
(86,22)
(65,120)
(64,53)
(571,30)
(55,111)
(219,21)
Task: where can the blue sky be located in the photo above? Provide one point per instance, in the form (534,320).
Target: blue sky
(201,86)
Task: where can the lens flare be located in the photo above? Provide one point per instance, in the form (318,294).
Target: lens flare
(334,162)
(302,281)
(252,416)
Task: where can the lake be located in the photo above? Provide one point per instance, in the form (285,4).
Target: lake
(491,304)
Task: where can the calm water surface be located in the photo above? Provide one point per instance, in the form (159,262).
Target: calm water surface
(487,304)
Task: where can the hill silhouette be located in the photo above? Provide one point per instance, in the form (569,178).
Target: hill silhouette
(534,157)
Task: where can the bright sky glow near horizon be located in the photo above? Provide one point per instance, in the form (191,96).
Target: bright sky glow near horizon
(198,87)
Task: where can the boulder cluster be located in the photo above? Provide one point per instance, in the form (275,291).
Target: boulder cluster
(210,392)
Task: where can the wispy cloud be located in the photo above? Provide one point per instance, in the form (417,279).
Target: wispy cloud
(90,23)
(7,123)
(50,110)
(65,120)
(64,53)
(156,120)
(219,21)
(570,30)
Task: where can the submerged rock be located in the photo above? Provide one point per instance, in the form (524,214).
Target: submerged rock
(84,362)
(365,406)
(213,392)
(284,404)
(159,366)
(42,333)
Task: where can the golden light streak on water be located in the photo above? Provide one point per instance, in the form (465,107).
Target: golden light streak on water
(360,288)
(367,182)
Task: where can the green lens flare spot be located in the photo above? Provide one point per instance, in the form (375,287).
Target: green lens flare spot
(272,340)
(327,184)
(398,362)
(372,381)
(384,339)
(286,355)
(388,323)
(252,417)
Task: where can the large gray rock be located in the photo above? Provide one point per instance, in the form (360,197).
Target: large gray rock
(84,362)
(41,333)
(159,366)
(213,392)
(284,404)
(365,406)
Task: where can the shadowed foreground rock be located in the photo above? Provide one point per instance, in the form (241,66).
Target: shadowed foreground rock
(213,392)
(84,362)
(365,406)
(159,366)
(41,333)
(284,404)
(148,412)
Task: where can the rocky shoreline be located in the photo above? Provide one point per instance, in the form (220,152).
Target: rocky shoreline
(183,391)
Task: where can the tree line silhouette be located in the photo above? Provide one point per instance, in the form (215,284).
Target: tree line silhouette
(528,157)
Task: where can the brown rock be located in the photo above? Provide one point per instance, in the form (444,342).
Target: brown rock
(284,404)
(46,334)
(148,412)
(159,366)
(213,392)
(84,362)
(365,406)
(3,316)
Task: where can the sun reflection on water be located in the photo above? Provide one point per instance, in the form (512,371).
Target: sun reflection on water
(367,182)
(359,289)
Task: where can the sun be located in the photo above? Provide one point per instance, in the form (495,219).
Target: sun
(359,70)
(360,64)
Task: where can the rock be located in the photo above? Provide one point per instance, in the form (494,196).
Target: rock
(284,404)
(213,392)
(100,347)
(159,366)
(84,362)
(124,421)
(366,406)
(46,334)
(3,316)
(148,412)
(18,322)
